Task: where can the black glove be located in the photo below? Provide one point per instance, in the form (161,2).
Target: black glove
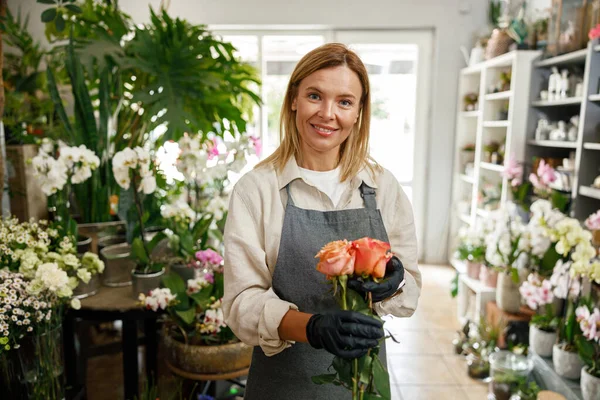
(394,274)
(347,334)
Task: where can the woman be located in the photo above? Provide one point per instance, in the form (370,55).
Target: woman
(320,185)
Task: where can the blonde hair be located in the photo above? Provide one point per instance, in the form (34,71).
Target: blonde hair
(354,151)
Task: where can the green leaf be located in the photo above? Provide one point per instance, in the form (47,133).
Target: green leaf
(454,286)
(219,285)
(49,15)
(187,316)
(381,379)
(344,369)
(160,236)
(548,261)
(137,248)
(46,1)
(174,283)
(202,297)
(356,302)
(514,274)
(324,379)
(365,366)
(73,8)
(60,23)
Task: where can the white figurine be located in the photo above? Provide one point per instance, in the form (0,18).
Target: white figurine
(564,84)
(573,129)
(596,183)
(560,132)
(553,84)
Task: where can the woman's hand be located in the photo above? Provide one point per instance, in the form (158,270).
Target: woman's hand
(347,334)
(394,275)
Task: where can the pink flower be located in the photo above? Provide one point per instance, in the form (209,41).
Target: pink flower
(536,293)
(512,171)
(593,221)
(214,150)
(257,143)
(594,32)
(209,256)
(589,322)
(372,256)
(546,173)
(336,259)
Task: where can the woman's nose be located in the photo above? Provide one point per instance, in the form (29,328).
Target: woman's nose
(326,110)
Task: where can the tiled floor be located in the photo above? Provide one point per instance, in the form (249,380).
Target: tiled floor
(422,366)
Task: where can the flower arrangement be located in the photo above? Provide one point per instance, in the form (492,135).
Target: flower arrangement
(542,181)
(194,306)
(26,246)
(58,167)
(588,343)
(366,259)
(505,249)
(521,191)
(538,293)
(132,167)
(472,245)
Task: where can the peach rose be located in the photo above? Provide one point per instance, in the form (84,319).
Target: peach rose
(336,258)
(371,257)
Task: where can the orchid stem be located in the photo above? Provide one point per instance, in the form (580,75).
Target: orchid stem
(355,380)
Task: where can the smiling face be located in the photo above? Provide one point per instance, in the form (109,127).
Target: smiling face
(327,107)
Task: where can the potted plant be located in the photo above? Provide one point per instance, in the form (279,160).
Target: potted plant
(134,173)
(588,346)
(508,253)
(542,180)
(470,101)
(467,155)
(490,149)
(538,294)
(196,338)
(471,250)
(527,391)
(521,191)
(509,372)
(35,290)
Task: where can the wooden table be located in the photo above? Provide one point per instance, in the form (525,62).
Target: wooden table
(112,304)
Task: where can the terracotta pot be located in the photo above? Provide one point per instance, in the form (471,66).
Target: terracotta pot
(199,359)
(508,297)
(541,342)
(566,364)
(473,269)
(590,385)
(488,277)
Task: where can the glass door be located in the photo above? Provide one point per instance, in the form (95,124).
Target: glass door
(399,66)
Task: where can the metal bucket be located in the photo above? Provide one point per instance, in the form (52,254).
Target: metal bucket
(117,265)
(144,283)
(84,244)
(96,230)
(84,290)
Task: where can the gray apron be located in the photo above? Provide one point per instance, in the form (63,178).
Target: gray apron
(287,375)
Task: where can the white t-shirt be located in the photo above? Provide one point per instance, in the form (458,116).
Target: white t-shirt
(327,182)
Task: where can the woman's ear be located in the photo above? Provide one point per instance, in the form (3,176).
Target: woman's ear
(294,105)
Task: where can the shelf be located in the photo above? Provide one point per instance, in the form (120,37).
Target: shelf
(561,102)
(545,376)
(470,114)
(591,146)
(491,167)
(574,57)
(496,124)
(594,97)
(466,219)
(589,191)
(467,178)
(498,96)
(597,47)
(553,143)
(476,285)
(459,266)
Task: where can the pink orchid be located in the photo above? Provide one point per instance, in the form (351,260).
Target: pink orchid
(594,32)
(512,171)
(214,150)
(257,143)
(209,257)
(589,322)
(593,221)
(546,173)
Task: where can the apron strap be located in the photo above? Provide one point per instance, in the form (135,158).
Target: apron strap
(287,189)
(368,195)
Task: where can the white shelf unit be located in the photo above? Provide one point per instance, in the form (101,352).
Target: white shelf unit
(488,125)
(472,291)
(584,150)
(590,192)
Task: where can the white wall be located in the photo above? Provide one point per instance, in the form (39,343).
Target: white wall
(453,22)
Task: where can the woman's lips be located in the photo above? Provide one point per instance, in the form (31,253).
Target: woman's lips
(325,132)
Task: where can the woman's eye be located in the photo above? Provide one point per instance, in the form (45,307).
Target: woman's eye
(346,103)
(313,96)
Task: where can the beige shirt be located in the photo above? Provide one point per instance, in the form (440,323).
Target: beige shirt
(252,236)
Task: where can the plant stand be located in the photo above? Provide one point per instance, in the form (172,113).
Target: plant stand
(208,381)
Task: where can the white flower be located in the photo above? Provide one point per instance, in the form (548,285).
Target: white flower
(158,298)
(47,146)
(148,184)
(84,275)
(75,304)
(122,177)
(52,277)
(125,159)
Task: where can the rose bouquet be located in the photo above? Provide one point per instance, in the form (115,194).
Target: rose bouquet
(363,259)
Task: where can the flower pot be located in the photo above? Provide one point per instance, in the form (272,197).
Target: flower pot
(473,269)
(566,363)
(508,297)
(186,273)
(590,385)
(488,276)
(96,230)
(200,359)
(84,244)
(106,241)
(34,371)
(117,265)
(541,342)
(478,368)
(507,370)
(84,290)
(144,283)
